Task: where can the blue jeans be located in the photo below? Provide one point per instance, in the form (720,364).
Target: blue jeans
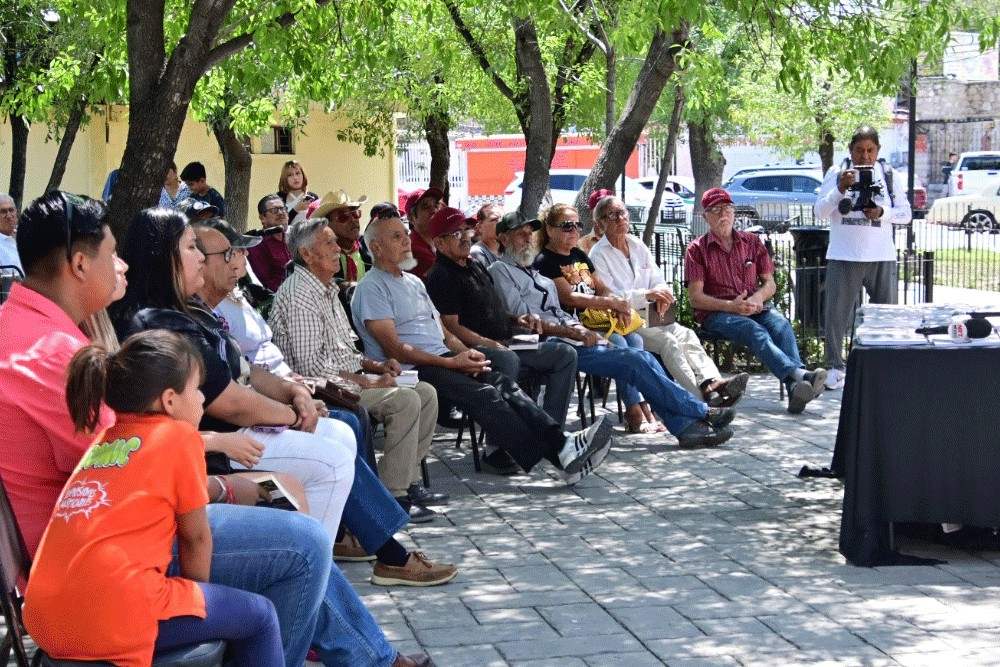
(627,392)
(361,424)
(287,557)
(767,334)
(672,403)
(371,513)
(247,621)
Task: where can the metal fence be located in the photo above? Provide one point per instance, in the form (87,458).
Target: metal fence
(798,251)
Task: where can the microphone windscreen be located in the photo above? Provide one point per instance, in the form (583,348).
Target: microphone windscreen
(978,328)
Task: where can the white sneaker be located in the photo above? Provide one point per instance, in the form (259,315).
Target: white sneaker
(589,466)
(582,445)
(835,378)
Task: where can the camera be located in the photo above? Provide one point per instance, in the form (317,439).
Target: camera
(865,189)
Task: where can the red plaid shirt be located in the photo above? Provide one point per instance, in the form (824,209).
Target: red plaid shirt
(726,274)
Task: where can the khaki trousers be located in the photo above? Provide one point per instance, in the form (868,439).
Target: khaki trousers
(682,353)
(409,415)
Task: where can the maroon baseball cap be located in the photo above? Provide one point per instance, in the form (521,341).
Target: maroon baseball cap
(714,197)
(414,197)
(597,196)
(446,220)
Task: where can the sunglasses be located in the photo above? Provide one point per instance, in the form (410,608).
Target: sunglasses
(227,254)
(70,201)
(721,208)
(569,227)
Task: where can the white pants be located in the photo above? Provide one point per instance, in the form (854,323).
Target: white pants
(683,355)
(323,461)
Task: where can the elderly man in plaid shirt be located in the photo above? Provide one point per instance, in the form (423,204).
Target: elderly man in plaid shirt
(312,330)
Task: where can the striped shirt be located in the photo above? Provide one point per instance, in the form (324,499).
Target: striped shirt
(311,327)
(726,274)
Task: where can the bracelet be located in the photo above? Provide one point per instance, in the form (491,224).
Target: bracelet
(223,486)
(230,496)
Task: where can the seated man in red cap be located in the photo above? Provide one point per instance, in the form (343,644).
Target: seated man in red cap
(420,206)
(730,278)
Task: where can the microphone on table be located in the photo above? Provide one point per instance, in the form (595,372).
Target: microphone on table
(961,331)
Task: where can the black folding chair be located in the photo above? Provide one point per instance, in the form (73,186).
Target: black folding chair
(15,564)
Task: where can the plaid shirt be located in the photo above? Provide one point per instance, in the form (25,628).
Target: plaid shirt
(726,274)
(311,327)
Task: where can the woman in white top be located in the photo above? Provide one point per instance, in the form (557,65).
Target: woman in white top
(627,267)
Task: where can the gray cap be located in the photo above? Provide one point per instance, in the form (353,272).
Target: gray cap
(191,207)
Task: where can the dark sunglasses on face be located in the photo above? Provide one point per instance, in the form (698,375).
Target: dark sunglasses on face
(227,254)
(569,226)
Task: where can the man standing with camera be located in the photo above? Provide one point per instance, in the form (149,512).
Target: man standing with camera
(862,199)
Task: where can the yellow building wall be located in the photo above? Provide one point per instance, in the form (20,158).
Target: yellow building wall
(329,164)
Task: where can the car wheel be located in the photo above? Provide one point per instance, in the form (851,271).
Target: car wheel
(979,220)
(745,217)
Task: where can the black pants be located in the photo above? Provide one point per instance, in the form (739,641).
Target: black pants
(510,418)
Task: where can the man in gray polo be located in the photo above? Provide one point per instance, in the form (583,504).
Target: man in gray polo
(397,320)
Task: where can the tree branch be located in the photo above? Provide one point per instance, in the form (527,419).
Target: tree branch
(598,42)
(240,42)
(478,52)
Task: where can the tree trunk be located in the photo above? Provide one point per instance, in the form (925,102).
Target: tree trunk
(66,144)
(826,151)
(237,160)
(19,128)
(538,137)
(436,126)
(659,65)
(707,164)
(665,164)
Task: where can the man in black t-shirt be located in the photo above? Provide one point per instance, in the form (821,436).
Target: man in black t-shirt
(474,312)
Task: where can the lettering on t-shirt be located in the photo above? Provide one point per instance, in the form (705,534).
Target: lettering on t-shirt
(108,454)
(81,497)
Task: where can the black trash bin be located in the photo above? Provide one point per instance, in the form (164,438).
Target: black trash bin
(810,274)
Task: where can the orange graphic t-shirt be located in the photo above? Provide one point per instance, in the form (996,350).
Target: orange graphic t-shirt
(99,583)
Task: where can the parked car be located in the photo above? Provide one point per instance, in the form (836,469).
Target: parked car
(971,211)
(677,186)
(771,196)
(972,171)
(919,195)
(565,184)
(774,167)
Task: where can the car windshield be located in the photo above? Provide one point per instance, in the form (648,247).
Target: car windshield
(981,163)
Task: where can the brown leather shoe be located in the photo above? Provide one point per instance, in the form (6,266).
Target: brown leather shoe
(418,571)
(417,660)
(350,550)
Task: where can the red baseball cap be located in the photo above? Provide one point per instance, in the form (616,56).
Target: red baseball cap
(714,197)
(414,197)
(446,220)
(597,196)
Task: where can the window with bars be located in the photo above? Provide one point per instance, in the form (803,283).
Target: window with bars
(277,140)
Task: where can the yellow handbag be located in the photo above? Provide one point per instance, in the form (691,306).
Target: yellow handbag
(605,322)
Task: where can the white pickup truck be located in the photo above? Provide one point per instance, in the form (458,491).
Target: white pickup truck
(972,171)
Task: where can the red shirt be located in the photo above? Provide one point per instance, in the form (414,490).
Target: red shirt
(423,253)
(726,274)
(268,260)
(40,447)
(99,584)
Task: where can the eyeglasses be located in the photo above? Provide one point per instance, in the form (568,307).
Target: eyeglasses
(569,227)
(70,201)
(227,254)
(458,234)
(615,214)
(347,215)
(721,208)
(275,210)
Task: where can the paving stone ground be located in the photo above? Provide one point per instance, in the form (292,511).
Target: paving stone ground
(701,558)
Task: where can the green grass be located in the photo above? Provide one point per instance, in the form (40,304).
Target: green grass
(975,269)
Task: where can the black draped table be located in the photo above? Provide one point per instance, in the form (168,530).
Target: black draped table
(918,442)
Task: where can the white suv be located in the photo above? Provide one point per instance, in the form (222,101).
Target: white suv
(565,184)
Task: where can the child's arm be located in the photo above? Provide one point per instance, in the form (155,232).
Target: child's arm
(194,544)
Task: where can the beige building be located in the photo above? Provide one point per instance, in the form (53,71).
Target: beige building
(329,163)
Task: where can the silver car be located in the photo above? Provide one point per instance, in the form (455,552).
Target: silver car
(774,195)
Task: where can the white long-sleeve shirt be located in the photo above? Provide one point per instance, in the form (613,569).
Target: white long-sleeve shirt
(853,237)
(630,277)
